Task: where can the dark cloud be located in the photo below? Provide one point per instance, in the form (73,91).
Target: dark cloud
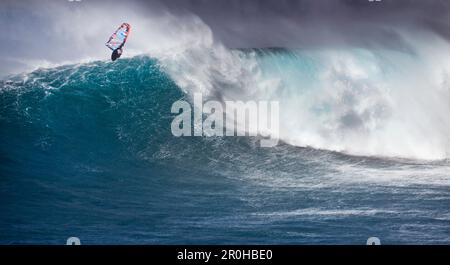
(308,22)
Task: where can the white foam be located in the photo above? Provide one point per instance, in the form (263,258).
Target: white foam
(361,102)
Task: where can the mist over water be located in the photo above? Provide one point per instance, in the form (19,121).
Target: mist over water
(373,102)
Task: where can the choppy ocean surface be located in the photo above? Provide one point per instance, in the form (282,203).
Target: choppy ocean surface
(86,150)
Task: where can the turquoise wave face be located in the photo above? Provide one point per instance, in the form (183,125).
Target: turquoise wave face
(86,108)
(86,150)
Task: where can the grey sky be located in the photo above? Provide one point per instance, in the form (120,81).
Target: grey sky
(55,31)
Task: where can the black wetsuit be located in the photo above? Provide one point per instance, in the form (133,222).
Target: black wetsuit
(115,54)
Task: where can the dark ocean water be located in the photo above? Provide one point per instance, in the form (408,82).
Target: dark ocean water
(86,150)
